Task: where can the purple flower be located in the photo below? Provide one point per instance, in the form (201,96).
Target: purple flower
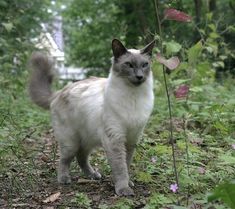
(201,170)
(174,188)
(233,146)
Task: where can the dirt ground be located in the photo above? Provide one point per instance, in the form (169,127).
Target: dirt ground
(30,181)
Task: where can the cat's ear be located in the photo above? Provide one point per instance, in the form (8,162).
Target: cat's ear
(148,48)
(118,48)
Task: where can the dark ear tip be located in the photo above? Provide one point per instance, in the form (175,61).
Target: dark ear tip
(115,40)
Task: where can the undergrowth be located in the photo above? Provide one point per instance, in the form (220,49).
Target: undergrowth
(203,124)
(208,129)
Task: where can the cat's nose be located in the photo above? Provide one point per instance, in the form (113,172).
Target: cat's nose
(139,77)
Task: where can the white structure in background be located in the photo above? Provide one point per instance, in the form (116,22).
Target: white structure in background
(51,39)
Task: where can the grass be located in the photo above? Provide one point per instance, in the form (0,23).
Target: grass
(203,132)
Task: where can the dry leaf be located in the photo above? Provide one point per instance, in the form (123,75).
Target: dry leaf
(52,198)
(173,14)
(171,63)
(182,91)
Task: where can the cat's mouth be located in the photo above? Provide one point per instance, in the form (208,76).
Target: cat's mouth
(137,83)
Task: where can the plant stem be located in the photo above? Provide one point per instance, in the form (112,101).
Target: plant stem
(187,154)
(168,98)
(158,23)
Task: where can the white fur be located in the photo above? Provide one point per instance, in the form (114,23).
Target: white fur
(134,51)
(102,112)
(95,112)
(105,103)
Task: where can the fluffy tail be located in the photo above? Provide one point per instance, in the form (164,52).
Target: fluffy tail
(40,80)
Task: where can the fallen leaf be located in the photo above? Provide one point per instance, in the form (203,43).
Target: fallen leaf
(45,158)
(52,198)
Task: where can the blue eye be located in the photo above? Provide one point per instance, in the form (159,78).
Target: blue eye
(129,64)
(145,64)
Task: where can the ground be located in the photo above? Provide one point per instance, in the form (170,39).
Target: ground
(31,183)
(203,134)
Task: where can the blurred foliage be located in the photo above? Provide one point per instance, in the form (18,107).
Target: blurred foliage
(19,24)
(224,192)
(91,25)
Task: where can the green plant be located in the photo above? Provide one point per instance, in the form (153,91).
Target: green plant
(82,200)
(224,192)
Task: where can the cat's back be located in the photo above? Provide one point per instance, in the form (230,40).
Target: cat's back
(80,93)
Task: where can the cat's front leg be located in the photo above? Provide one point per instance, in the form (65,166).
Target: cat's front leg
(129,156)
(116,153)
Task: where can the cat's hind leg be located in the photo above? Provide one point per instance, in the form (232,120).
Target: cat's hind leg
(67,153)
(83,161)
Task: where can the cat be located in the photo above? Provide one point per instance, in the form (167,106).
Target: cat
(109,112)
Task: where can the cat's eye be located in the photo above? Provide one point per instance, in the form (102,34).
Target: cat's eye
(129,64)
(145,64)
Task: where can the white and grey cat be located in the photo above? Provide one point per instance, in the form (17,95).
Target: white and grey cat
(109,112)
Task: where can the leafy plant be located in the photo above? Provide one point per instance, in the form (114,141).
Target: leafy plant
(123,203)
(82,200)
(224,192)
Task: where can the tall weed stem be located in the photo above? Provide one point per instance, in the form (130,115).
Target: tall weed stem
(168,96)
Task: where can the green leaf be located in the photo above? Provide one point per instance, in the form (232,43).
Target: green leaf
(227,159)
(212,27)
(144,177)
(209,16)
(224,192)
(172,47)
(231,28)
(214,35)
(218,64)
(8,26)
(157,200)
(194,52)
(179,82)
(196,89)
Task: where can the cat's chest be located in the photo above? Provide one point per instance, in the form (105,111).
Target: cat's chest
(137,108)
(133,108)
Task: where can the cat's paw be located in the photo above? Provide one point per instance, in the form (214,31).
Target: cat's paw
(96,175)
(64,179)
(126,191)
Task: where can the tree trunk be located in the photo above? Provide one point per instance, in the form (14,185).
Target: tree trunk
(212,5)
(198,6)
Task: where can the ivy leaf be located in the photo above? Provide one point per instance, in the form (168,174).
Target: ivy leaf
(181,91)
(173,14)
(171,63)
(224,192)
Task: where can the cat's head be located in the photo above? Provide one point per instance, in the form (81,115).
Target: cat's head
(131,64)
